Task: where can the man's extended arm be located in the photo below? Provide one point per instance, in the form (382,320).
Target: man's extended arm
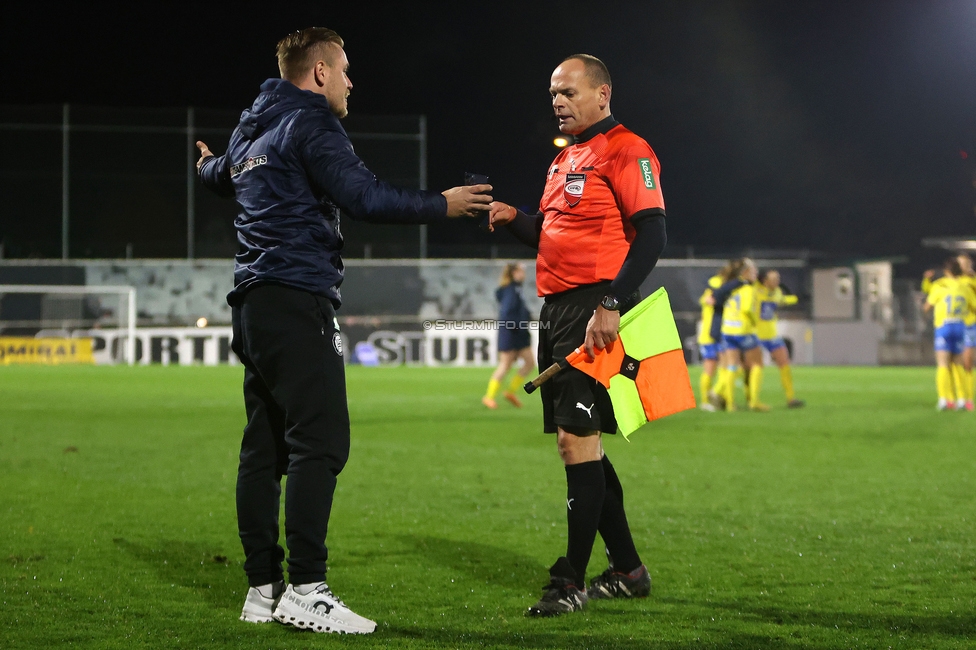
(334,168)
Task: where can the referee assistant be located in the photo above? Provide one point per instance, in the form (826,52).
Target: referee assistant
(599,233)
(291,168)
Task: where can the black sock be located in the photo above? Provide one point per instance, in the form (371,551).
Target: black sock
(614,528)
(585,493)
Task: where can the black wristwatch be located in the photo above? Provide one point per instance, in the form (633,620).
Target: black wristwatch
(610,303)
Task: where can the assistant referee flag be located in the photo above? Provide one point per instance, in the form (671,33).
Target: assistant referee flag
(644,370)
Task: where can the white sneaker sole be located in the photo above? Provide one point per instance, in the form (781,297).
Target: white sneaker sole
(251,617)
(302,620)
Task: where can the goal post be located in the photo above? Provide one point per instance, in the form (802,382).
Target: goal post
(72,321)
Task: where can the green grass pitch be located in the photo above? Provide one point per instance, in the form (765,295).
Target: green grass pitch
(846,524)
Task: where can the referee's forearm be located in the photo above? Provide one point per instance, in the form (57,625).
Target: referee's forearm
(526,228)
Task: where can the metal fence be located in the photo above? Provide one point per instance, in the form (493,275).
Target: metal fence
(95,182)
(909,322)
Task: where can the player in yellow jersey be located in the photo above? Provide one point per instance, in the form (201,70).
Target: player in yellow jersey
(709,348)
(965,384)
(770,296)
(969,340)
(739,321)
(952,299)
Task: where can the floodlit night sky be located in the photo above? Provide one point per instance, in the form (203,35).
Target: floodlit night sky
(834,126)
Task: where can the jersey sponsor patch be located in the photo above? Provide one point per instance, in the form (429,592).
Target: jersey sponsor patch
(648,172)
(573,189)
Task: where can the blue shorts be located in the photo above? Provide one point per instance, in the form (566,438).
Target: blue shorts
(710,351)
(743,342)
(772,345)
(950,337)
(969,338)
(510,340)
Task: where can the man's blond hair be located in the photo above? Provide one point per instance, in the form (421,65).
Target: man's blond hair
(299,51)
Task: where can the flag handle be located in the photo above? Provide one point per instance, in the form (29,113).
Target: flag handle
(545,376)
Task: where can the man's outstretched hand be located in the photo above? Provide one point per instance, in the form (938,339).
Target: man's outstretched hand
(204,153)
(464,201)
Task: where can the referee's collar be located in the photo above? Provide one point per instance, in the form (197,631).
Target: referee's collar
(602,126)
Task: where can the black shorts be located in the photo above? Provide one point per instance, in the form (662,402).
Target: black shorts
(571,399)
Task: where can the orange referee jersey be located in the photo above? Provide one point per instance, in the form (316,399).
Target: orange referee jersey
(593,189)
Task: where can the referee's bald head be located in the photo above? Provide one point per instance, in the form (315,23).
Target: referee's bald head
(596,70)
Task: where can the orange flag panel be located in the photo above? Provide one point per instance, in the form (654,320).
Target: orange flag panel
(664,385)
(605,365)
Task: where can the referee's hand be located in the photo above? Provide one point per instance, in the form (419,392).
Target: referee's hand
(467,200)
(601,330)
(204,153)
(501,214)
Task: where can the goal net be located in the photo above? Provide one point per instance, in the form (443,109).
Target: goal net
(70,311)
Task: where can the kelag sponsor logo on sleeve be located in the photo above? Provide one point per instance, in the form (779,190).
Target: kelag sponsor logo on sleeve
(647,172)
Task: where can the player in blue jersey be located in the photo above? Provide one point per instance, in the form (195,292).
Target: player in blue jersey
(709,345)
(513,337)
(740,317)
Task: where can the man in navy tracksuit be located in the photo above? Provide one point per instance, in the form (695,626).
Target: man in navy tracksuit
(291,168)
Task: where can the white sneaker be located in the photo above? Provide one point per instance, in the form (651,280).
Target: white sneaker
(260,602)
(960,404)
(706,406)
(942,405)
(319,610)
